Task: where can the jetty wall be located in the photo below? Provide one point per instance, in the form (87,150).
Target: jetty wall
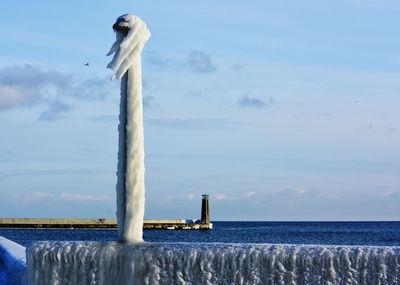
(54,223)
(205,263)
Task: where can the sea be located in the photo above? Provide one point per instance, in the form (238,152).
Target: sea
(318,233)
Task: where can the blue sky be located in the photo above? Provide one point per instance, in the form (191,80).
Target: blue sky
(279,110)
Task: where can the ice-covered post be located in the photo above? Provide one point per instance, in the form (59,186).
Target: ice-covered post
(131,35)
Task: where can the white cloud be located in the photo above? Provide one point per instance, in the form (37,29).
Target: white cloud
(390,129)
(54,110)
(198,124)
(250,194)
(196,61)
(30,198)
(220,196)
(252,102)
(40,195)
(366,127)
(324,114)
(27,85)
(87,198)
(169,197)
(370,128)
(10,96)
(190,196)
(292,191)
(201,62)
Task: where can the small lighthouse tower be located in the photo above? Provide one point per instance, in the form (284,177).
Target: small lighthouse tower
(205,209)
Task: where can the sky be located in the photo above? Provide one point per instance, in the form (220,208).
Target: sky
(279,110)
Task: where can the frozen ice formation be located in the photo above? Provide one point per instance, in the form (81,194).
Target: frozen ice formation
(131,35)
(12,256)
(199,263)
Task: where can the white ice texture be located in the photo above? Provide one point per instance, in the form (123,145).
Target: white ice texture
(130,170)
(128,47)
(12,256)
(199,263)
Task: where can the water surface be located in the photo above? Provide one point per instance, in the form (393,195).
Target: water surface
(324,233)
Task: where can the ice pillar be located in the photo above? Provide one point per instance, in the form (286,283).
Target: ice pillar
(131,35)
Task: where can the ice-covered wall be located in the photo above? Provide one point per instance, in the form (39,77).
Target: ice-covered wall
(183,263)
(12,257)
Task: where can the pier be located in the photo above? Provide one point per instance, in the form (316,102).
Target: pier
(55,223)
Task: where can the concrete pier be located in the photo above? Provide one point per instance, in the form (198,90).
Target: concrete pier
(53,223)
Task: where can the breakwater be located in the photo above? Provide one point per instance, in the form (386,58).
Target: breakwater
(202,263)
(52,223)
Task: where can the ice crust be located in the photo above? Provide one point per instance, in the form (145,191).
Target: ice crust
(12,256)
(130,170)
(127,48)
(200,263)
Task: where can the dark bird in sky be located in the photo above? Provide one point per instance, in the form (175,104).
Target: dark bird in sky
(87,63)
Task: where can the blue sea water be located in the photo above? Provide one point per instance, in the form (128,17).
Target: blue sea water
(4,274)
(323,233)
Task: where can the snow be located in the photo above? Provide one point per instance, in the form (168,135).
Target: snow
(13,258)
(199,263)
(130,170)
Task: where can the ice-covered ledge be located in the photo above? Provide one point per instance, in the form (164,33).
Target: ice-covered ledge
(196,263)
(12,255)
